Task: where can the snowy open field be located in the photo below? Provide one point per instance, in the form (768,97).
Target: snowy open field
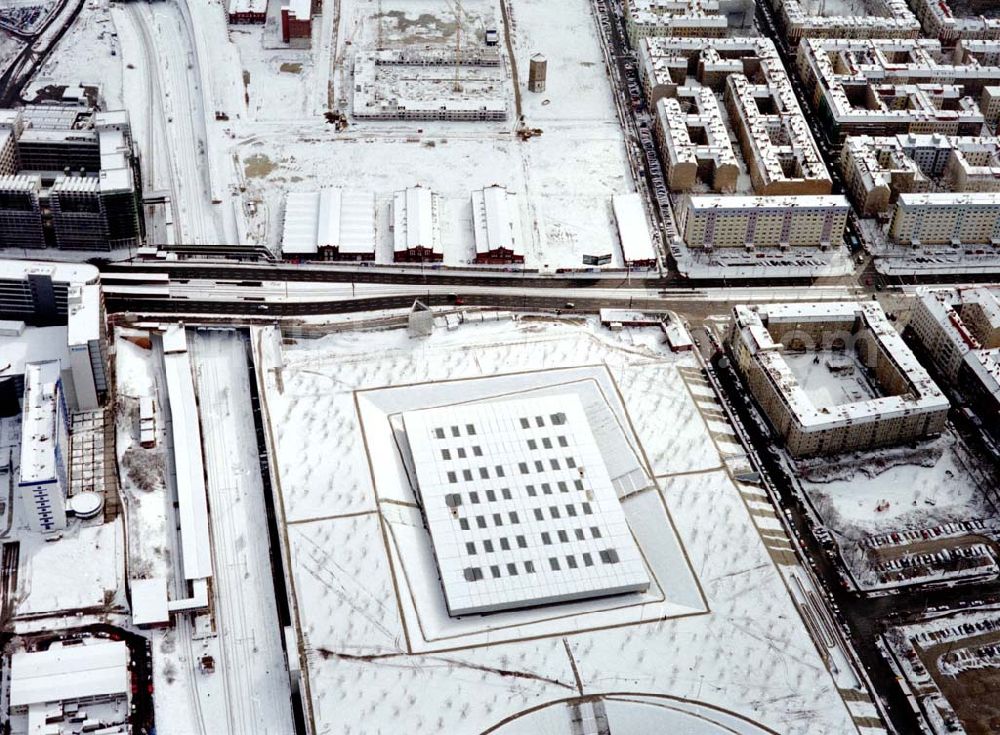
(726,634)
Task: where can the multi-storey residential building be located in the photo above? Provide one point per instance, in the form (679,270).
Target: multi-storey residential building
(693,18)
(87,172)
(877,170)
(895,86)
(939,20)
(895,20)
(709,222)
(946,219)
(694,141)
(44,470)
(907,405)
(959,328)
(683,80)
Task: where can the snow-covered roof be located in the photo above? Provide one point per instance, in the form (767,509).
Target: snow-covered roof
(519,505)
(149,601)
(247,6)
(62,672)
(84,319)
(331,217)
(38,423)
(743,203)
(922,393)
(496,220)
(192,502)
(633,228)
(20,182)
(19,270)
(415,220)
(32,344)
(299,9)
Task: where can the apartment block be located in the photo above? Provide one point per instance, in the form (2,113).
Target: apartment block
(959,329)
(905,403)
(940,21)
(692,18)
(880,87)
(892,19)
(709,222)
(946,219)
(877,170)
(746,73)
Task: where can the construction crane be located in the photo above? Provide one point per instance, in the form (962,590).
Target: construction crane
(459,11)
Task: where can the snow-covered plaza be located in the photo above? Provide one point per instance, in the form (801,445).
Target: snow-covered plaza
(716,640)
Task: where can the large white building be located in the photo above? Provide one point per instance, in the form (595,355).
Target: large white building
(69,689)
(696,18)
(638,249)
(416,225)
(330,224)
(43,481)
(519,505)
(38,292)
(749,222)
(908,405)
(496,226)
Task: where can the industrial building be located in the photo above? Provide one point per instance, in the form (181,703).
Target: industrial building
(77,183)
(496,225)
(895,20)
(638,249)
(892,401)
(959,329)
(416,226)
(330,224)
(37,292)
(891,86)
(43,481)
(940,21)
(709,222)
(519,505)
(946,219)
(684,78)
(64,689)
(877,170)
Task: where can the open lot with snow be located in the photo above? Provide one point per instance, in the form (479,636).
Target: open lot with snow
(369,616)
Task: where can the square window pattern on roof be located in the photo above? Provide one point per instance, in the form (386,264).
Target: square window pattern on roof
(603,561)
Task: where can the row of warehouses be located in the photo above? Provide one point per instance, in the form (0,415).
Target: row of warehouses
(340,224)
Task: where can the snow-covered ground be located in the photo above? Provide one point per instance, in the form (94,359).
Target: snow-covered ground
(830,378)
(369,661)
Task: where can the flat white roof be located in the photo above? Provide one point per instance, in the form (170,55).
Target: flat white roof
(520,506)
(84,320)
(496,221)
(63,672)
(149,601)
(34,344)
(19,270)
(192,502)
(633,228)
(38,423)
